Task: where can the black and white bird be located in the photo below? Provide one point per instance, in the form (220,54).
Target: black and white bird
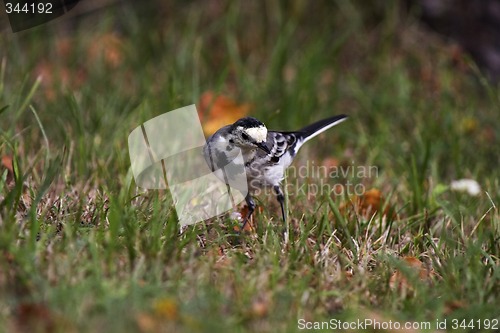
(266,154)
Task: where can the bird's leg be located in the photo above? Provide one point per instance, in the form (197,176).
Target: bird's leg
(230,196)
(281,200)
(251,208)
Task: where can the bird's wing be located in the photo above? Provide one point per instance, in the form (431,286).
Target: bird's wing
(279,143)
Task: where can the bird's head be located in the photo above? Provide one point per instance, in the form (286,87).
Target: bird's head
(249,132)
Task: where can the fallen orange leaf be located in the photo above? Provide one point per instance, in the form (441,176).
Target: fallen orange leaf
(398,279)
(7,163)
(371,200)
(451,306)
(146,322)
(35,316)
(55,76)
(166,308)
(109,47)
(367,204)
(260,308)
(330,163)
(216,111)
(249,226)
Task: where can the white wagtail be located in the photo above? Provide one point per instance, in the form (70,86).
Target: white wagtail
(266,154)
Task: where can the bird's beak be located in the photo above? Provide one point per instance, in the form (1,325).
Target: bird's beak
(263,146)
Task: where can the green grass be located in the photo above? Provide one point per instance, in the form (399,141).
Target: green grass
(83,249)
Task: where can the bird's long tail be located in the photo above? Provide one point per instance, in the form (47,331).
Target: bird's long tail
(310,131)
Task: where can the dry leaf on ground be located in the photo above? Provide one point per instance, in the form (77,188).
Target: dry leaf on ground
(399,279)
(216,111)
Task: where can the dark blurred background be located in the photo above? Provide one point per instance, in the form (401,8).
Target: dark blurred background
(473,25)
(114,64)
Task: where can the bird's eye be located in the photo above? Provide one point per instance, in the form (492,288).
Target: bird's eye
(245,136)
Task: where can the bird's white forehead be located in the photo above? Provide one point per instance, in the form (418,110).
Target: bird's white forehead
(259,134)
